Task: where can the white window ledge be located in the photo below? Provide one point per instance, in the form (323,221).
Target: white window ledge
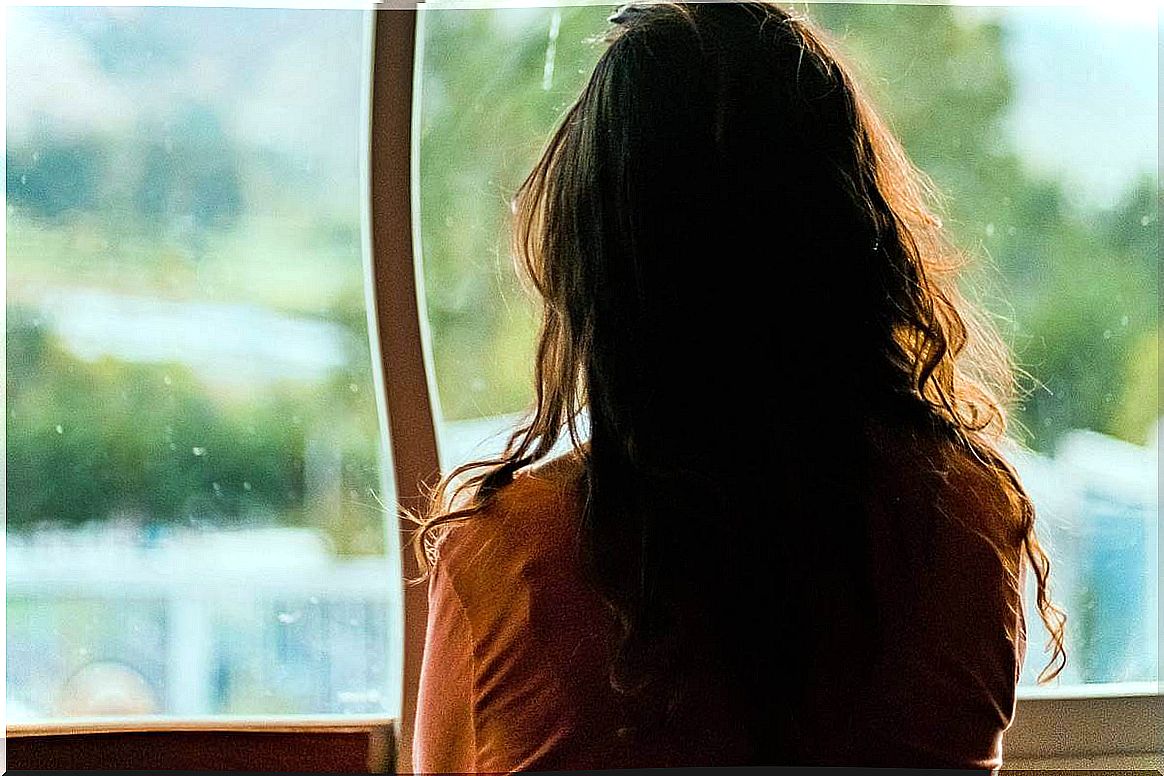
(1114,722)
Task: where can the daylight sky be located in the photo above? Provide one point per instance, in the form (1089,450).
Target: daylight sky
(1085,107)
(1086,102)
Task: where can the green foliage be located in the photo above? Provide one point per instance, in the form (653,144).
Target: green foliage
(93,440)
(149,443)
(188,179)
(1139,408)
(1074,290)
(57,178)
(490,101)
(192,170)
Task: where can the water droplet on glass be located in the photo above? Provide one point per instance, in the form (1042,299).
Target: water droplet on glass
(1145,220)
(60,429)
(990,230)
(217,488)
(354,622)
(1107,334)
(314,600)
(199,451)
(168,380)
(246,486)
(173,446)
(1124,321)
(353,388)
(289,617)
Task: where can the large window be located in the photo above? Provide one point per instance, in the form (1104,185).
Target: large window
(196,488)
(199,508)
(1040,125)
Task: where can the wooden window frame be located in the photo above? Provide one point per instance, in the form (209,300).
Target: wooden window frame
(401,325)
(314,744)
(1105,721)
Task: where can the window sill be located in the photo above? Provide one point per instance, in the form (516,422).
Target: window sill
(325,744)
(273,723)
(1122,762)
(1086,722)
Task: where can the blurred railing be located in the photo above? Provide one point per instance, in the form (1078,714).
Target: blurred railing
(105,622)
(1099,520)
(241,622)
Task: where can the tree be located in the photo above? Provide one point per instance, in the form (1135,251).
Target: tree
(1073,292)
(53,177)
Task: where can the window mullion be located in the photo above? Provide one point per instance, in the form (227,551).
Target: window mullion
(398,313)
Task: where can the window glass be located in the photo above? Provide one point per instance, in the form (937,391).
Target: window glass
(1040,125)
(494,82)
(194,468)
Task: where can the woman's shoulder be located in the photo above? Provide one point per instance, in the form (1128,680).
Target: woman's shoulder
(949,528)
(942,486)
(541,498)
(526,522)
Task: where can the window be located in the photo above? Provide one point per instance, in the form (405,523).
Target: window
(493,84)
(199,515)
(198,490)
(1040,125)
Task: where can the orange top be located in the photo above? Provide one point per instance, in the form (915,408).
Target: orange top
(515,673)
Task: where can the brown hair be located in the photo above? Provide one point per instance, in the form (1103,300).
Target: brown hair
(722,200)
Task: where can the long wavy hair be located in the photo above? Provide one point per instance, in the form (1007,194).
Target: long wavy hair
(740,273)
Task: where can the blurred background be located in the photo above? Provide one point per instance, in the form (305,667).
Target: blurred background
(194,509)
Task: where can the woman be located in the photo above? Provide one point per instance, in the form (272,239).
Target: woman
(790,537)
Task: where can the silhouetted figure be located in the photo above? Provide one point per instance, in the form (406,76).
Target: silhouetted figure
(786,534)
